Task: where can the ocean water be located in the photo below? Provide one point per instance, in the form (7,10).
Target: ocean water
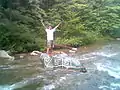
(102,64)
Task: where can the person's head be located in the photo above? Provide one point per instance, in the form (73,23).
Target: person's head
(49,27)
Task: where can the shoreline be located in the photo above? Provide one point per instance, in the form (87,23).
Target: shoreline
(82,49)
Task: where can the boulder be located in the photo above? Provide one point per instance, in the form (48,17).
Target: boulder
(4,54)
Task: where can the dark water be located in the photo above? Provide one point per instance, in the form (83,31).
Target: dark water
(102,63)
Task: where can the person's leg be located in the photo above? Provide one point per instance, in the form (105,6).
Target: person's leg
(48,46)
(48,50)
(51,47)
(53,44)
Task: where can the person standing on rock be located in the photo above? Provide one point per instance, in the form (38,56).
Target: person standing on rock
(50,37)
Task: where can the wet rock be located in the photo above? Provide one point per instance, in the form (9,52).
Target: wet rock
(21,56)
(4,54)
(83,69)
(117,38)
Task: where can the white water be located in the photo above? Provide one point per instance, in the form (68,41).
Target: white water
(111,64)
(22,83)
(103,73)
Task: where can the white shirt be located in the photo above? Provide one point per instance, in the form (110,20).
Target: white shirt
(50,33)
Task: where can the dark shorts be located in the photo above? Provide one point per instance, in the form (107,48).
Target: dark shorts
(50,43)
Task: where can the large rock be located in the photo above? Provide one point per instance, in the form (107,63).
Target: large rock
(60,60)
(4,54)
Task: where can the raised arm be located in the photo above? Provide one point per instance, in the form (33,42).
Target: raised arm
(43,24)
(57,25)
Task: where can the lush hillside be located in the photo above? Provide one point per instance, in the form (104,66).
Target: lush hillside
(83,22)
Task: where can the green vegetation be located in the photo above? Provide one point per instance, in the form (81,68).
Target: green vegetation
(83,22)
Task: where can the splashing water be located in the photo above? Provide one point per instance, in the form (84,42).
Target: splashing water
(103,67)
